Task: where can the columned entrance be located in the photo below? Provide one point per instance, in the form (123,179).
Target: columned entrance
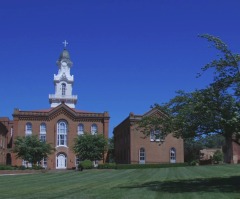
(61,161)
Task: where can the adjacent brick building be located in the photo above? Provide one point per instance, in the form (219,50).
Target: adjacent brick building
(133,147)
(6,132)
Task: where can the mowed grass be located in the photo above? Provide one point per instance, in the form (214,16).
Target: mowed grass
(221,181)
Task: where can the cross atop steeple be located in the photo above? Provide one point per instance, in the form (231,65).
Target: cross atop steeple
(65,43)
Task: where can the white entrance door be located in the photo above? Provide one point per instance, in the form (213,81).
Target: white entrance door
(61,161)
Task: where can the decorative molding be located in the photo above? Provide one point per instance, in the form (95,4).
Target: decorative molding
(59,110)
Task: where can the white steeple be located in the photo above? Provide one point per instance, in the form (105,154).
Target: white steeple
(63,82)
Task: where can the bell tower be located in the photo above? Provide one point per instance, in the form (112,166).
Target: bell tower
(63,82)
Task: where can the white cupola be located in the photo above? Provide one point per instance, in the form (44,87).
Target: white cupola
(63,82)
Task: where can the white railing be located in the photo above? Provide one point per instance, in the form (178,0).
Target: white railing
(53,96)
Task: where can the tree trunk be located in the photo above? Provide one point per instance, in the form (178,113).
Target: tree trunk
(228,150)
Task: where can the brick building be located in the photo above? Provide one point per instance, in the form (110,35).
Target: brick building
(133,147)
(60,124)
(6,132)
(236,152)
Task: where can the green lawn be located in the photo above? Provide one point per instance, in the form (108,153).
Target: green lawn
(171,183)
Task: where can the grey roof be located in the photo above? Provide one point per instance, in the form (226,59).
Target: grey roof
(64,55)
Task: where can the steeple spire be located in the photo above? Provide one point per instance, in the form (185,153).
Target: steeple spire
(63,82)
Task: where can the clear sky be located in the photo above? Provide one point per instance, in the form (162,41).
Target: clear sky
(127,54)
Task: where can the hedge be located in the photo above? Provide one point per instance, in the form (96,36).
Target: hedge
(107,166)
(139,166)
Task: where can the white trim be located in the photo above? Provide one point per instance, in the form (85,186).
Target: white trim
(142,155)
(61,161)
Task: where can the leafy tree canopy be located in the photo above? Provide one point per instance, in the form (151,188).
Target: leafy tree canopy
(31,149)
(212,110)
(227,70)
(90,147)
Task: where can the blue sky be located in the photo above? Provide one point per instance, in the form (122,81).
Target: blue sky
(127,54)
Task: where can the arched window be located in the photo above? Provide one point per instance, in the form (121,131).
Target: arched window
(43,131)
(63,89)
(80,129)
(172,155)
(62,133)
(28,129)
(94,129)
(142,156)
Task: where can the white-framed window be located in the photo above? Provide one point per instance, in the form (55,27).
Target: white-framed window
(94,129)
(152,136)
(43,132)
(172,155)
(63,89)
(28,129)
(62,133)
(142,156)
(156,136)
(77,161)
(80,129)
(26,164)
(43,163)
(95,163)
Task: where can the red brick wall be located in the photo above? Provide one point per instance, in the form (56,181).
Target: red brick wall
(236,153)
(5,138)
(155,152)
(51,134)
(128,140)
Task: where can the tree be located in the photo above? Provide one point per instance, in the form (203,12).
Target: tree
(192,149)
(227,71)
(31,149)
(213,110)
(192,146)
(212,141)
(90,147)
(110,153)
(217,157)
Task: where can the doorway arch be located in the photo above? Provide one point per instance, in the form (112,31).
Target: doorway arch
(61,161)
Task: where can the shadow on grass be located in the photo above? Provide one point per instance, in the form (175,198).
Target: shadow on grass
(229,184)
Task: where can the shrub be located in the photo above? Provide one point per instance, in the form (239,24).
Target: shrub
(146,166)
(107,166)
(21,167)
(205,162)
(6,167)
(86,164)
(193,163)
(217,157)
(37,167)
